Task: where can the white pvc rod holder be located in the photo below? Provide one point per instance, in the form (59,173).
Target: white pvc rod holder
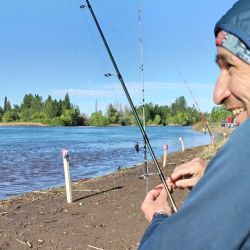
(182,144)
(165,148)
(65,155)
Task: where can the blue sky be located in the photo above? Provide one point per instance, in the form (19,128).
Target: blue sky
(52,47)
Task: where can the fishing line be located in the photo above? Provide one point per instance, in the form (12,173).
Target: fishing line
(91,86)
(82,58)
(114,91)
(73,32)
(80,52)
(108,76)
(100,55)
(119,76)
(191,93)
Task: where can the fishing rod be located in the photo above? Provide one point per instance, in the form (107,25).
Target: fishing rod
(119,76)
(191,93)
(145,172)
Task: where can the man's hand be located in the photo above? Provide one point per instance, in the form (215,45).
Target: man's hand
(187,174)
(156,201)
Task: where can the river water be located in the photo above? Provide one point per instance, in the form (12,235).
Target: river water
(31,157)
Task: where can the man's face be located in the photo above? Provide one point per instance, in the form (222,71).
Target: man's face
(233,85)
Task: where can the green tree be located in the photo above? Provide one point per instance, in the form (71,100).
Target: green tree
(7,105)
(38,117)
(157,120)
(25,108)
(193,116)
(66,118)
(219,113)
(37,104)
(51,107)
(98,120)
(126,116)
(179,105)
(79,119)
(112,113)
(1,113)
(27,101)
(66,103)
(10,116)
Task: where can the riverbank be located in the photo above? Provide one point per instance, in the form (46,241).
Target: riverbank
(7,124)
(105,213)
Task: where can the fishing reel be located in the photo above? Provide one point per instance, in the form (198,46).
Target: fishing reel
(137,147)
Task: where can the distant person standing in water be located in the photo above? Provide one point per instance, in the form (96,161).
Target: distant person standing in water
(215,214)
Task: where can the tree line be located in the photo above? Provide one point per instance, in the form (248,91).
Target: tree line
(63,113)
(177,113)
(50,111)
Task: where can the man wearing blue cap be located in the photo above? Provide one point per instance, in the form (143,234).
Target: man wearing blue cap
(216,214)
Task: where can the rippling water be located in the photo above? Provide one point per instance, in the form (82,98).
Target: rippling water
(31,156)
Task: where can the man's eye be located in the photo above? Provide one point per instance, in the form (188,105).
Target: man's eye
(228,65)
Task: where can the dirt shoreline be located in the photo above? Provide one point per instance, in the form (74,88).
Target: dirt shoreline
(24,124)
(105,213)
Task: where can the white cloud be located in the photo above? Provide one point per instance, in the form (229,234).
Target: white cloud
(162,93)
(133,88)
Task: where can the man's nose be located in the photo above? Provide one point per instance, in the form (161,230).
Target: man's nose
(221,90)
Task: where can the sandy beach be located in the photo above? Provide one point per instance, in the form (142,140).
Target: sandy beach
(8,124)
(105,213)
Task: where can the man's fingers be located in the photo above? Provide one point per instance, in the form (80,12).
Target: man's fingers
(179,173)
(154,193)
(194,167)
(159,187)
(186,183)
(170,183)
(163,194)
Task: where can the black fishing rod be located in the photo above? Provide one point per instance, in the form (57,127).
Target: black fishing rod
(145,137)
